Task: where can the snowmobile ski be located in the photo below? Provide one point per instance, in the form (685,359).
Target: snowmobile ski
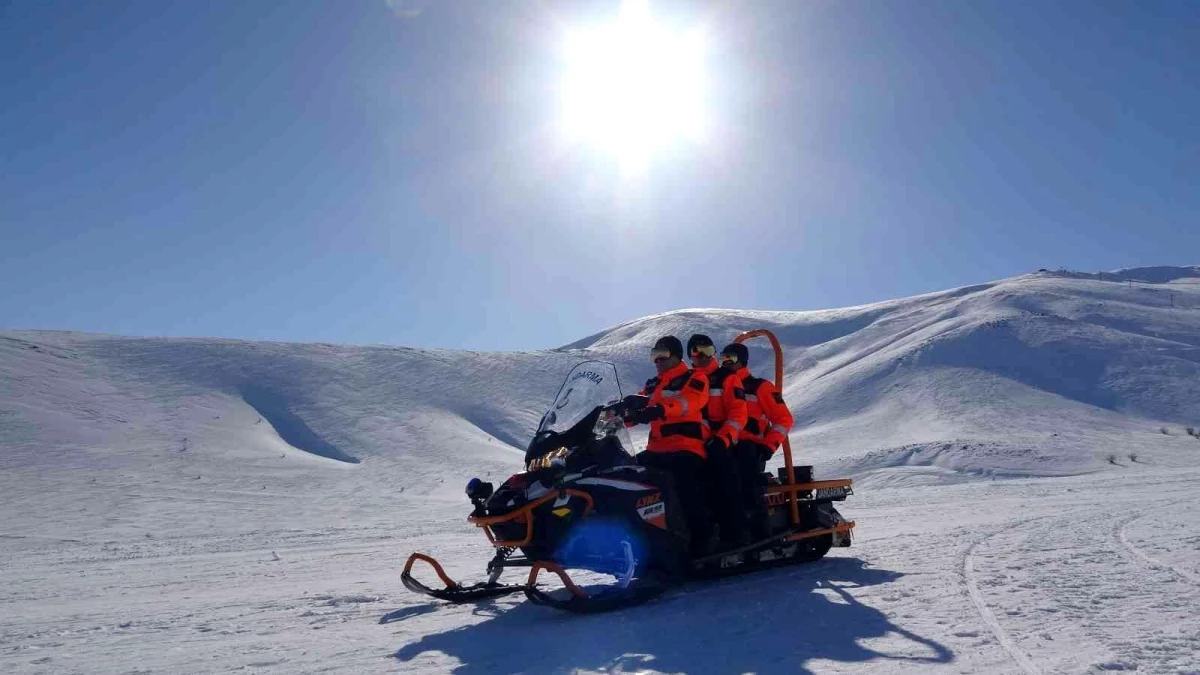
(453,591)
(580,602)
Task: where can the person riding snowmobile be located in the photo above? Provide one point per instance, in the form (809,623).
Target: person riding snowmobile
(768,423)
(674,411)
(582,503)
(726,417)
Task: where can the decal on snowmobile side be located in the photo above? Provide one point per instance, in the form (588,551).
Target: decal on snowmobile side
(832,493)
(655,514)
(821,494)
(649,499)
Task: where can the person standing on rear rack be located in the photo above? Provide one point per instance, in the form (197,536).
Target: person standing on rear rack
(674,411)
(726,417)
(767,425)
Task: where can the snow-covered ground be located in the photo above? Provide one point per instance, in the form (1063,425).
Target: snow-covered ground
(1027,496)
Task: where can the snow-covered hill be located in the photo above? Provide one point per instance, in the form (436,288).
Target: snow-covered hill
(1043,374)
(1039,374)
(189,505)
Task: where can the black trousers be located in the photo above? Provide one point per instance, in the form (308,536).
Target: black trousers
(725,495)
(688,473)
(751,460)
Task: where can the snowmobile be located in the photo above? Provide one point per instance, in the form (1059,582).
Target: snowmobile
(583,503)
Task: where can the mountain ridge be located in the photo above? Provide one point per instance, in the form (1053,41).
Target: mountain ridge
(1077,365)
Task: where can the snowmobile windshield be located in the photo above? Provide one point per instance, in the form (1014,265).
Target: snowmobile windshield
(579,413)
(589,385)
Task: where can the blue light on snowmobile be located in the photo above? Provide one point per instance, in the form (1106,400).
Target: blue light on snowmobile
(598,544)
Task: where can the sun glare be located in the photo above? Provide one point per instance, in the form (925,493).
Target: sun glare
(634,86)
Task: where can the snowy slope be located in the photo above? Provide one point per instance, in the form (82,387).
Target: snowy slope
(195,505)
(1066,367)
(1036,375)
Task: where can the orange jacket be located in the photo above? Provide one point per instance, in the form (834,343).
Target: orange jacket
(769,418)
(726,411)
(683,394)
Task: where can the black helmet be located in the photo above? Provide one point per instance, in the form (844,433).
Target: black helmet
(670,344)
(698,340)
(738,351)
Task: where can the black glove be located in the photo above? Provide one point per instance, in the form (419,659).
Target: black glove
(715,446)
(764,453)
(647,415)
(632,403)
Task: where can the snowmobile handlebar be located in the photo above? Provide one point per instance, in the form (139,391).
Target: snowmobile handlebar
(548,440)
(631,403)
(626,409)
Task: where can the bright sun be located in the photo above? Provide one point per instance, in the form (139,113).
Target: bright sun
(634,86)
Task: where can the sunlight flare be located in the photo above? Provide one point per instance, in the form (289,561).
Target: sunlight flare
(634,86)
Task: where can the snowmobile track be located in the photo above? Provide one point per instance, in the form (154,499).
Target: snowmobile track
(972,581)
(1141,555)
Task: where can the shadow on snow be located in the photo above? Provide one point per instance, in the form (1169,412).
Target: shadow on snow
(293,430)
(769,622)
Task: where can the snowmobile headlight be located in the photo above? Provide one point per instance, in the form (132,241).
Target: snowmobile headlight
(545,461)
(478,489)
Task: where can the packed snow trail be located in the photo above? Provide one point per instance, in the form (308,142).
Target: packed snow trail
(985,612)
(314,592)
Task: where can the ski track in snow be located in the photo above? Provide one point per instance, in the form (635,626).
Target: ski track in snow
(1064,579)
(1154,563)
(989,618)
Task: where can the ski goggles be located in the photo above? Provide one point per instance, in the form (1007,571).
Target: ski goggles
(657,355)
(728,359)
(704,350)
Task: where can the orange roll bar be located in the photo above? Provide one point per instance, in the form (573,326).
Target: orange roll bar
(787,444)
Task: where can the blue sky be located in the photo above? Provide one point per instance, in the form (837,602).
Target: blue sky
(375,172)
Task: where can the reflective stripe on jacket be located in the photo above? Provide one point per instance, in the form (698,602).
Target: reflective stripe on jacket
(769,419)
(683,395)
(726,411)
